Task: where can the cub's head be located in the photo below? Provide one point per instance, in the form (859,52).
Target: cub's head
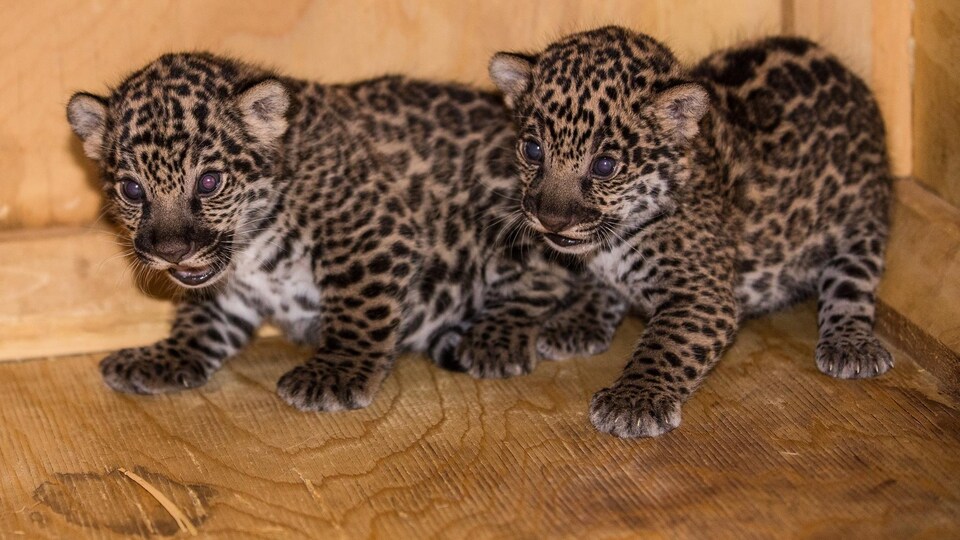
(604,118)
(187,148)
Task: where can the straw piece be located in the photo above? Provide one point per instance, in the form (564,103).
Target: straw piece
(182,521)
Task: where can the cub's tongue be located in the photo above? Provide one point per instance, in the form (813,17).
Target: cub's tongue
(192,276)
(562,241)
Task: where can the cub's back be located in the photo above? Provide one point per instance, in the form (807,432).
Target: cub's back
(806,151)
(442,129)
(808,124)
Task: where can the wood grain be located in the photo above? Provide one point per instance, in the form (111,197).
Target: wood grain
(769,447)
(891,77)
(59,46)
(936,100)
(70,291)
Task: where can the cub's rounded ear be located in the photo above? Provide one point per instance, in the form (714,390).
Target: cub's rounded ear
(680,108)
(264,109)
(511,72)
(87,115)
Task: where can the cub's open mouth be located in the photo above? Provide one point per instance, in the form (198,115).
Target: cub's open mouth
(562,241)
(193,276)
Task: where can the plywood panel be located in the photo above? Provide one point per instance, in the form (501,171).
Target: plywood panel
(937,98)
(69,291)
(439,454)
(59,46)
(55,47)
(892,77)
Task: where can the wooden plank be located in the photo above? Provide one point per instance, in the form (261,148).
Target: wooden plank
(70,291)
(769,447)
(73,290)
(936,101)
(892,77)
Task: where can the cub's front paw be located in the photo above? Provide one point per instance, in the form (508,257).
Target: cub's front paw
(326,386)
(152,370)
(496,351)
(626,411)
(857,356)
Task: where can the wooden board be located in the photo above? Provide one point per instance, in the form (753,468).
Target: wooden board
(769,448)
(70,291)
(936,99)
(57,47)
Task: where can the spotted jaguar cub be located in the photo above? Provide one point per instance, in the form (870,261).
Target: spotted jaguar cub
(362,219)
(705,195)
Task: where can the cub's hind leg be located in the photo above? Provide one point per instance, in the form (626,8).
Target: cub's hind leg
(501,340)
(545,313)
(358,339)
(848,347)
(585,324)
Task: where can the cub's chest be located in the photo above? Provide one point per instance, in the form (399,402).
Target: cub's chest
(287,295)
(623,268)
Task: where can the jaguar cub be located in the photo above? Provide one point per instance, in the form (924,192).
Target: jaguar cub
(705,195)
(362,219)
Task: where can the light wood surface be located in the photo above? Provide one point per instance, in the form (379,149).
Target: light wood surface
(768,448)
(69,291)
(56,47)
(936,100)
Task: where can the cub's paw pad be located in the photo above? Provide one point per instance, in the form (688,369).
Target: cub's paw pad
(558,342)
(325,387)
(853,357)
(491,352)
(151,370)
(630,412)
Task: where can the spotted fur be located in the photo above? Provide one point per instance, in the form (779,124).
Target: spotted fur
(755,178)
(363,220)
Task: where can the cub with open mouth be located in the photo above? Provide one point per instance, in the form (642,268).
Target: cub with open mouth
(363,219)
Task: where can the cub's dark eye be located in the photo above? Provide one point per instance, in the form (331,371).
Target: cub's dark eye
(532,151)
(208,183)
(131,190)
(603,166)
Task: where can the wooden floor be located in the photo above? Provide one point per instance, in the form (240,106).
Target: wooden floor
(768,448)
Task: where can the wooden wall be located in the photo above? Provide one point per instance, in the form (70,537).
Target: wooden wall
(54,47)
